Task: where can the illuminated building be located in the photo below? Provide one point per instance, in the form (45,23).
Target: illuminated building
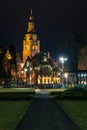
(31,50)
(31,42)
(40,71)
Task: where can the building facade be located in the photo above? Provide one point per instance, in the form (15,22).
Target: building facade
(32,55)
(82,77)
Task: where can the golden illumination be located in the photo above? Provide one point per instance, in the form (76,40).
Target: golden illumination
(8,55)
(65,75)
(30,26)
(31,44)
(48,80)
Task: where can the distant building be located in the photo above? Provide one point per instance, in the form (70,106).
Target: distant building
(82,66)
(82,77)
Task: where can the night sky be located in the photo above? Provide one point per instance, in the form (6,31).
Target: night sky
(56,21)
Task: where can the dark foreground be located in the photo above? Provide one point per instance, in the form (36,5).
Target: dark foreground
(45,114)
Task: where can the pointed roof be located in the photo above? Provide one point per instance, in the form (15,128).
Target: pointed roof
(31,24)
(31,15)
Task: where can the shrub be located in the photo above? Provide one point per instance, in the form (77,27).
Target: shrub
(16,95)
(75,93)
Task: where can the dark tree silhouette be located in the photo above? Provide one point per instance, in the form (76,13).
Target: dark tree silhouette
(75,43)
(14,57)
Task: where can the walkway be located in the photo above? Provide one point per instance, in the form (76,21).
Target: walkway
(45,114)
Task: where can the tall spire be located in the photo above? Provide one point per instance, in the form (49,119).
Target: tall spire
(31,43)
(31,22)
(31,15)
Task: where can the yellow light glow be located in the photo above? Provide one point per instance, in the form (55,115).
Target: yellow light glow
(66,75)
(8,55)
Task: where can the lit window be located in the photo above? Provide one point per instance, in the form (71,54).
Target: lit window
(78,75)
(82,82)
(81,75)
(45,58)
(84,75)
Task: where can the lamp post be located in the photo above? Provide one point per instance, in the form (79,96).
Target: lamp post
(62,59)
(25,69)
(66,76)
(30,77)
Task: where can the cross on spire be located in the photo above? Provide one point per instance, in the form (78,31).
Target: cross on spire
(31,12)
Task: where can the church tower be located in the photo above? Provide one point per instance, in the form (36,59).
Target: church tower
(31,42)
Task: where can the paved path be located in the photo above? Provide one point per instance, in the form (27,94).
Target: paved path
(45,114)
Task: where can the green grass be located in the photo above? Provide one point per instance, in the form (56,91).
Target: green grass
(11,112)
(57,90)
(16,90)
(77,111)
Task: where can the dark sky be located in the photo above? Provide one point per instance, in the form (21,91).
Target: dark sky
(55,20)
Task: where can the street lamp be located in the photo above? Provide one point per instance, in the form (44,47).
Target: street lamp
(25,69)
(62,59)
(30,77)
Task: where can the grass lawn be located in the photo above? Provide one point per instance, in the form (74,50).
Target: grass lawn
(11,112)
(77,111)
(16,90)
(57,90)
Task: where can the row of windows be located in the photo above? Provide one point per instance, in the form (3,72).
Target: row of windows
(45,80)
(82,82)
(79,75)
(71,74)
(82,75)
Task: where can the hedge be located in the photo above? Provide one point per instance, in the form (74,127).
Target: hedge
(16,95)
